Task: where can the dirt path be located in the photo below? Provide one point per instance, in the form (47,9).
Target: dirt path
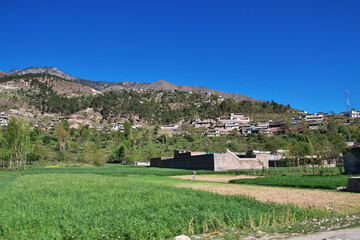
(214,178)
(344,234)
(338,201)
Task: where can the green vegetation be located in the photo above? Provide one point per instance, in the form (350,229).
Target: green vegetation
(298,181)
(55,203)
(153,107)
(87,146)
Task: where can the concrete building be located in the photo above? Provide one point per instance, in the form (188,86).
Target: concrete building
(234,117)
(353,114)
(255,128)
(352,160)
(228,160)
(314,117)
(213,133)
(169,127)
(3,119)
(141,163)
(231,126)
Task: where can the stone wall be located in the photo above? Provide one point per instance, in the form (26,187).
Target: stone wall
(229,161)
(354,184)
(200,162)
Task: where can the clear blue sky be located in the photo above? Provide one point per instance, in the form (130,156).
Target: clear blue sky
(302,53)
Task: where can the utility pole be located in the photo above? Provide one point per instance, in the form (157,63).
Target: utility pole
(347,101)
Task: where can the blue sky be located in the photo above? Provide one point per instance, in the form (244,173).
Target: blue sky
(302,53)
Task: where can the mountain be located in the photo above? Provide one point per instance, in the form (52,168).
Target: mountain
(160,85)
(2,74)
(44,70)
(35,81)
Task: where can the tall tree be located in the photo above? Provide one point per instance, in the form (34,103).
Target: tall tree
(62,132)
(128,130)
(17,140)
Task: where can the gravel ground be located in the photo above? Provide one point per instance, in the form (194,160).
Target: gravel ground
(343,234)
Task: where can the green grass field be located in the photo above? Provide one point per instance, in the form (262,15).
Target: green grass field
(297,181)
(121,202)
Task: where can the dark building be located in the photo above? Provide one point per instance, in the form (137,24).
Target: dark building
(352,161)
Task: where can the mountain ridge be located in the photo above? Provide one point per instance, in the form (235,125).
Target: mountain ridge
(159,85)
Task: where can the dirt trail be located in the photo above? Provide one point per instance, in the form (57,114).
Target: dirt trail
(338,201)
(344,234)
(214,178)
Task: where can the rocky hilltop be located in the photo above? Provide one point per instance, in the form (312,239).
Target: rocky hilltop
(44,70)
(160,85)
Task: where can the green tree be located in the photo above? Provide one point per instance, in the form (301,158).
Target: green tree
(128,130)
(304,126)
(343,130)
(17,141)
(62,130)
(119,153)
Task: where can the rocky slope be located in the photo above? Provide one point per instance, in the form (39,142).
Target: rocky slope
(59,85)
(2,74)
(118,86)
(45,70)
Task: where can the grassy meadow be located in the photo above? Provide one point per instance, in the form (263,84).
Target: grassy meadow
(125,202)
(298,181)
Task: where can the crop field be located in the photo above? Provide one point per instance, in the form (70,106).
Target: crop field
(115,202)
(314,182)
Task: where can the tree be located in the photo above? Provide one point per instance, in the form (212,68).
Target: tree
(17,140)
(128,130)
(62,133)
(287,125)
(304,126)
(85,133)
(343,130)
(120,153)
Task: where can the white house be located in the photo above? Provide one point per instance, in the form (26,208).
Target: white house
(3,119)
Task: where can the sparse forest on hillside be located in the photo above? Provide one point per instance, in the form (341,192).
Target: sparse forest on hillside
(155,107)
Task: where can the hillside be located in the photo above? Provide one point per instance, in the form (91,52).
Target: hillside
(48,94)
(43,70)
(2,74)
(59,85)
(103,86)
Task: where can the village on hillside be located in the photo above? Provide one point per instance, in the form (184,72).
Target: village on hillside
(234,123)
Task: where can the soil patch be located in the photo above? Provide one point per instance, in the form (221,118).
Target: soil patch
(214,178)
(333,201)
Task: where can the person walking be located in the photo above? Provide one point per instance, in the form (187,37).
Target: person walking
(194,175)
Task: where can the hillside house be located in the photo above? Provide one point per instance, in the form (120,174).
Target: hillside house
(117,127)
(255,128)
(314,117)
(315,125)
(3,119)
(169,127)
(225,119)
(213,133)
(353,114)
(240,118)
(99,128)
(295,122)
(197,123)
(231,126)
(277,127)
(234,117)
